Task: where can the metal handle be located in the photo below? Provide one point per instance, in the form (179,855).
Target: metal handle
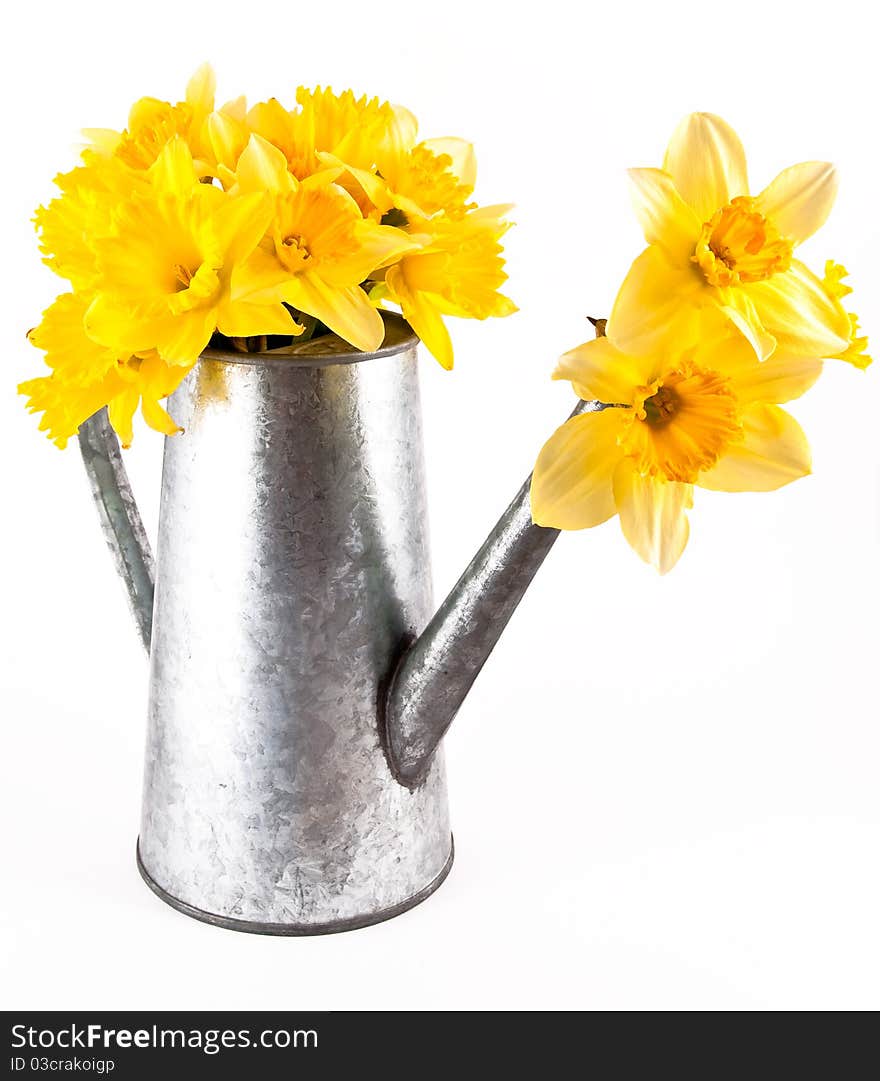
(120,519)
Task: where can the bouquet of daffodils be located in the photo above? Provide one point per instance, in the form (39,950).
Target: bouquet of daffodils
(249,228)
(715,325)
(252,229)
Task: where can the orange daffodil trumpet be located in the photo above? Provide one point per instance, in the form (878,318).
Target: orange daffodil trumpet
(716,325)
(200,225)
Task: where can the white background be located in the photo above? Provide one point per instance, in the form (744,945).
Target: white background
(664,791)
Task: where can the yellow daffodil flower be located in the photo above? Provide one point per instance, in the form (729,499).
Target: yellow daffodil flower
(457,272)
(86,376)
(373,148)
(319,248)
(153,123)
(198,220)
(69,226)
(168,275)
(707,415)
(716,251)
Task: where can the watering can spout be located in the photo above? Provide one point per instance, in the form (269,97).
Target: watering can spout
(438,669)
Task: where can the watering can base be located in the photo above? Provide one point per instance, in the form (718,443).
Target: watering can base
(332,927)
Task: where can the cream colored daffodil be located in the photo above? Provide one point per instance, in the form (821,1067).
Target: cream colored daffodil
(715,251)
(707,415)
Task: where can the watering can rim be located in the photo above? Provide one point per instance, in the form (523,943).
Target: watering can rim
(399,336)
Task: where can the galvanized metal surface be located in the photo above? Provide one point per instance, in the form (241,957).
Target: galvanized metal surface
(120,520)
(298,692)
(435,675)
(294,930)
(292,562)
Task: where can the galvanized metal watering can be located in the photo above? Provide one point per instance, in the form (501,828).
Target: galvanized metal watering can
(300,681)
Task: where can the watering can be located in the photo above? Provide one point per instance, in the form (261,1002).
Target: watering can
(300,680)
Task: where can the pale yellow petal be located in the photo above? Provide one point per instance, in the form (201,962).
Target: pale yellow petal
(174,172)
(779,379)
(653,515)
(795,308)
(464,160)
(599,371)
(707,162)
(735,305)
(228,138)
(800,199)
(200,90)
(664,216)
(262,167)
(571,484)
(773,452)
(346,311)
(656,303)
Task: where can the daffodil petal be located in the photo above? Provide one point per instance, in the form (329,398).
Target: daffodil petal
(653,514)
(664,216)
(117,327)
(259,278)
(239,319)
(464,160)
(773,452)
(201,88)
(797,311)
(779,379)
(656,303)
(180,340)
(158,418)
(174,171)
(706,160)
(736,306)
(240,224)
(227,136)
(346,311)
(599,371)
(800,199)
(378,246)
(262,167)
(571,484)
(422,312)
(120,411)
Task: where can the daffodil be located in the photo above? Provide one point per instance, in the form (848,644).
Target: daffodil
(168,272)
(715,251)
(319,248)
(152,124)
(707,415)
(458,271)
(86,376)
(71,223)
(374,147)
(198,220)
